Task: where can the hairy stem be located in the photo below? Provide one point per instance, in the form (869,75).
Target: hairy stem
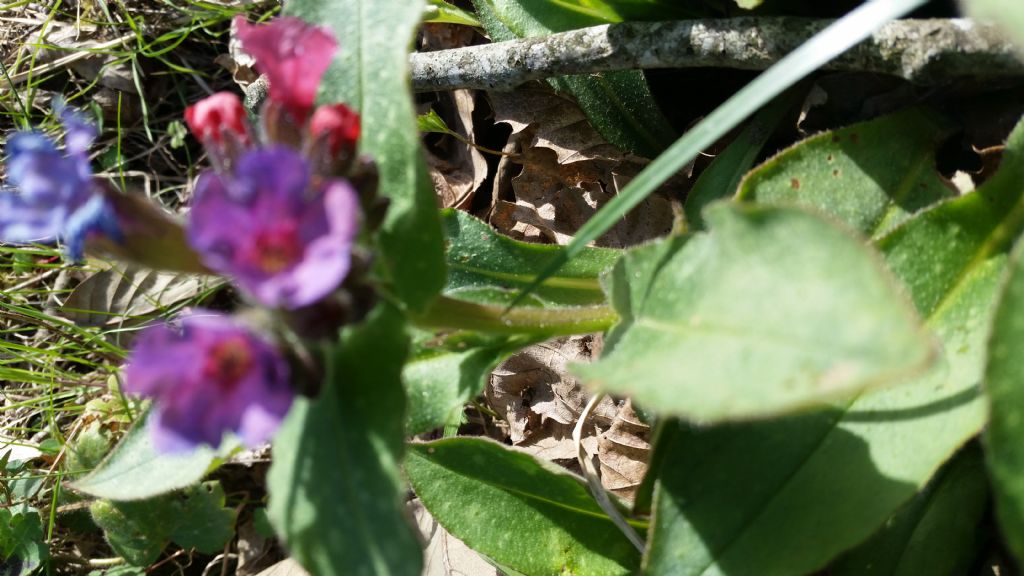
(461,315)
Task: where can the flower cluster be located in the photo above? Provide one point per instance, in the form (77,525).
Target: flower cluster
(278,219)
(276,213)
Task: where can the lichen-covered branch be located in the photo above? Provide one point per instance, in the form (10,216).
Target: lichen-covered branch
(923,51)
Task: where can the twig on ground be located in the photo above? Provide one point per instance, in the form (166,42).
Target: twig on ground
(923,51)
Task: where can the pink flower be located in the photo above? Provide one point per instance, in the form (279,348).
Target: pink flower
(220,124)
(217,118)
(209,377)
(294,55)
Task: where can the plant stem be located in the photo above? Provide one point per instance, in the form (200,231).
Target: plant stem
(455,314)
(924,51)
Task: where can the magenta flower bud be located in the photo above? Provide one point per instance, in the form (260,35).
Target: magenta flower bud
(220,123)
(283,236)
(209,377)
(338,125)
(294,55)
(334,135)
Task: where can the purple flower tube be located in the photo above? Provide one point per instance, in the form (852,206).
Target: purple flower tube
(210,377)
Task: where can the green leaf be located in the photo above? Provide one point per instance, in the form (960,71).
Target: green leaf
(440,380)
(335,488)
(432,123)
(1004,387)
(140,530)
(821,48)
(850,468)
(1007,14)
(938,532)
(774,310)
(486,267)
(135,470)
(720,179)
(531,516)
(618,104)
(443,12)
(872,176)
(371,74)
(22,542)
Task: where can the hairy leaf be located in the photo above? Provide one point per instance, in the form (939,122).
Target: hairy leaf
(938,532)
(479,491)
(135,469)
(335,489)
(872,176)
(440,380)
(486,267)
(851,467)
(774,310)
(1004,387)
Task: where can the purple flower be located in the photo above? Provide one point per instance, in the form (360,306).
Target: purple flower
(53,195)
(283,235)
(210,377)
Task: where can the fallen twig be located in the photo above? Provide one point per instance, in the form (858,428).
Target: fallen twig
(923,51)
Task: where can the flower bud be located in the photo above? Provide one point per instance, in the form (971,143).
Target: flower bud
(220,123)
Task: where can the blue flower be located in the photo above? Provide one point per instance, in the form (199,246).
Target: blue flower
(49,194)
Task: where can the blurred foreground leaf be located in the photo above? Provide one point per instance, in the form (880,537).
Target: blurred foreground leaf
(335,487)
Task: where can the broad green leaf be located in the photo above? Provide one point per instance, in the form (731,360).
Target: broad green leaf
(938,532)
(135,469)
(1004,387)
(618,104)
(335,488)
(486,267)
(440,380)
(22,542)
(872,176)
(720,179)
(774,310)
(140,530)
(822,47)
(371,74)
(531,516)
(1007,14)
(800,490)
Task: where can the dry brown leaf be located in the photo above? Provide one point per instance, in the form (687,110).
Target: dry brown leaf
(65,42)
(568,171)
(624,452)
(445,554)
(456,168)
(552,201)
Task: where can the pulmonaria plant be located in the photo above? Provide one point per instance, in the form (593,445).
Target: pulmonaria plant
(209,377)
(278,219)
(54,196)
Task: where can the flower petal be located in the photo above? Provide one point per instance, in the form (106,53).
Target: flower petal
(293,54)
